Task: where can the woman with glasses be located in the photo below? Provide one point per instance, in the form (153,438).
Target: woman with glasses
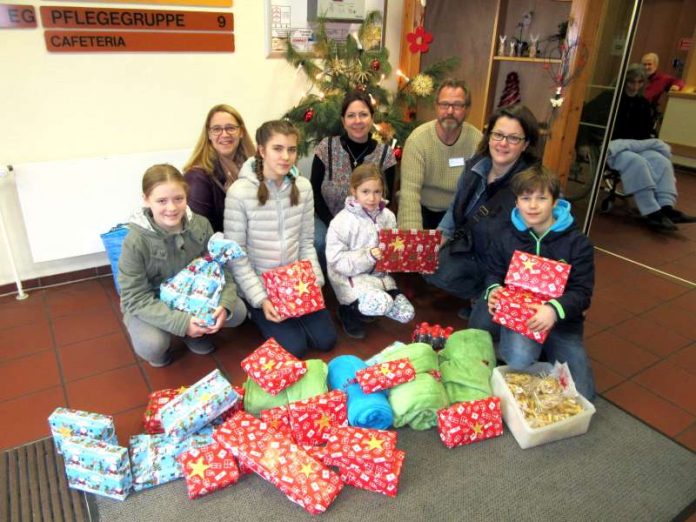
(336,157)
(223,146)
(483,201)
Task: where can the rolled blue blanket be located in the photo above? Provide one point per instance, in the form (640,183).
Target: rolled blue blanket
(365,410)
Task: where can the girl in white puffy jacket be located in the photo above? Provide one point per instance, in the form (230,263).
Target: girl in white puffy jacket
(352,251)
(269,212)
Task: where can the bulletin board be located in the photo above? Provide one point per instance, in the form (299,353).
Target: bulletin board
(295,20)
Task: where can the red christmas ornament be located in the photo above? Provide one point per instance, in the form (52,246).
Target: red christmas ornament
(375,64)
(309,114)
(419,40)
(398,151)
(361,87)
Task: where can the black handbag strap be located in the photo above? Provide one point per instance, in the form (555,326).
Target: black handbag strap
(488,209)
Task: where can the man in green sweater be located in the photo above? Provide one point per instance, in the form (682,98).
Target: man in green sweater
(434,157)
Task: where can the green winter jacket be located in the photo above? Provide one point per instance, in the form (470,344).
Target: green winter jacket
(150,256)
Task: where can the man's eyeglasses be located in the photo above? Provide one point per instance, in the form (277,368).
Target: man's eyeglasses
(216,130)
(511,138)
(457,106)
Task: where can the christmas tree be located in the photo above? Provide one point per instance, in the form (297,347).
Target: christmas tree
(360,62)
(511,91)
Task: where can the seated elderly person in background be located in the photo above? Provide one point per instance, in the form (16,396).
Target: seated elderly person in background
(643,162)
(657,82)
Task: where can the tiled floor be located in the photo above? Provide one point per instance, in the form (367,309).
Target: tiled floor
(66,346)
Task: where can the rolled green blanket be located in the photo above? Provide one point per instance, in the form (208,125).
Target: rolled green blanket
(313,383)
(466,365)
(416,403)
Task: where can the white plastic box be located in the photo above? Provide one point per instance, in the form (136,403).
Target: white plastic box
(525,435)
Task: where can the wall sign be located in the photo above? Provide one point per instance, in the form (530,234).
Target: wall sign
(135,19)
(192,3)
(136,41)
(17,16)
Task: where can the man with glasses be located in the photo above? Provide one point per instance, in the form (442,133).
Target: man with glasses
(434,157)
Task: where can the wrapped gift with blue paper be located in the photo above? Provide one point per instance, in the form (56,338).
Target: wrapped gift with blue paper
(97,467)
(197,288)
(197,406)
(154,458)
(65,422)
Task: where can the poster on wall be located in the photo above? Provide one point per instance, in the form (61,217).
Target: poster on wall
(294,21)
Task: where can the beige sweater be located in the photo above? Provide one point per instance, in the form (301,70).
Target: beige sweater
(426,175)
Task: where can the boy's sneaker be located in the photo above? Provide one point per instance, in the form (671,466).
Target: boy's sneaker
(199,345)
(350,322)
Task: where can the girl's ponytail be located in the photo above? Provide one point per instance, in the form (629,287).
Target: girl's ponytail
(262,193)
(294,192)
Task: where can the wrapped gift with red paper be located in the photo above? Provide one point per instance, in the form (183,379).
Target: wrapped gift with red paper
(278,419)
(545,277)
(208,469)
(273,368)
(514,309)
(530,280)
(472,421)
(385,375)
(276,458)
(381,480)
(151,418)
(350,445)
(293,289)
(313,418)
(409,250)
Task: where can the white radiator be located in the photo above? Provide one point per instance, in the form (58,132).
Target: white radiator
(67,204)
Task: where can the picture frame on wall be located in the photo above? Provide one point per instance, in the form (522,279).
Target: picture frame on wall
(295,20)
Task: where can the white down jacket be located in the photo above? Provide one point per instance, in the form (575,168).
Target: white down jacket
(351,235)
(274,234)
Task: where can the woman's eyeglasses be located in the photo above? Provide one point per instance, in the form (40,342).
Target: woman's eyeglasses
(510,138)
(216,130)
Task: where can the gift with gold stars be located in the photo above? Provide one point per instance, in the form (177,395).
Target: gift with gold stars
(276,458)
(196,407)
(273,368)
(530,282)
(545,277)
(471,421)
(208,469)
(65,422)
(156,400)
(278,419)
(312,419)
(409,250)
(293,289)
(385,375)
(366,458)
(514,308)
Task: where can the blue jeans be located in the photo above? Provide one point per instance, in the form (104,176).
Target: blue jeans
(297,335)
(520,352)
(320,230)
(460,275)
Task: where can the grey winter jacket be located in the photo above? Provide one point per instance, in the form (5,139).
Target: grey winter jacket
(150,256)
(351,235)
(274,234)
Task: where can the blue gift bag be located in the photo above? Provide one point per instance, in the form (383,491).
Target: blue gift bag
(113,241)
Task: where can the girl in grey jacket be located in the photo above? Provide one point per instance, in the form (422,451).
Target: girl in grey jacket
(163,238)
(352,251)
(269,212)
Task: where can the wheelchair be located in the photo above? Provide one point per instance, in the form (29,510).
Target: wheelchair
(581,175)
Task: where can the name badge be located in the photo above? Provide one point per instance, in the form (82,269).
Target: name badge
(456,162)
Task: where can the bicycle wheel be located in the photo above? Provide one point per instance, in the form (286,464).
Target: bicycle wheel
(579,182)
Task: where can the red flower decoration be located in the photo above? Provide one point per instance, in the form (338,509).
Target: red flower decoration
(420,40)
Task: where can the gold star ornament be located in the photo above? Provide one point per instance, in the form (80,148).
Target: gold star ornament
(306,469)
(268,366)
(384,369)
(478,429)
(324,421)
(528,264)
